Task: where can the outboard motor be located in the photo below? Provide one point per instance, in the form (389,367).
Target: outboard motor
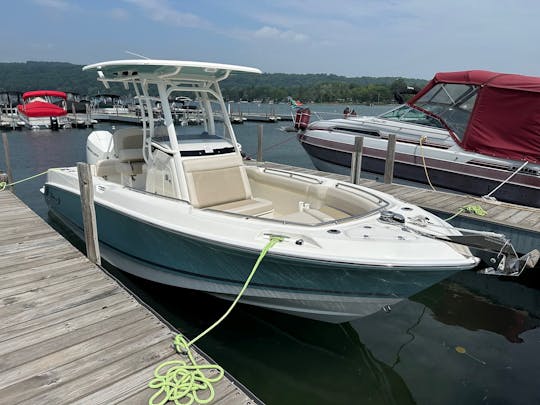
(54,123)
(301,120)
(99,146)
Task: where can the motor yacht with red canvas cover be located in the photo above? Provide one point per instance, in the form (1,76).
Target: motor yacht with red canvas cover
(476,132)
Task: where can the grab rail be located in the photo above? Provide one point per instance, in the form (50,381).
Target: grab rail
(354,190)
(285,173)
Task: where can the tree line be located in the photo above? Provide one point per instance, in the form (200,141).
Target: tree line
(318,88)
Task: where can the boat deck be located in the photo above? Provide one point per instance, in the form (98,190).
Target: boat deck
(520,223)
(70,333)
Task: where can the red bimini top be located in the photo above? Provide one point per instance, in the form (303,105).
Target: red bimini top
(44,93)
(495,114)
(39,108)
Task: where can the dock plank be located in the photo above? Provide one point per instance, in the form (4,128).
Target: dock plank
(35,282)
(13,330)
(67,326)
(49,295)
(107,372)
(33,263)
(71,333)
(133,392)
(73,363)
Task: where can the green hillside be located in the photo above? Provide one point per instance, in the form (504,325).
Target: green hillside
(269,86)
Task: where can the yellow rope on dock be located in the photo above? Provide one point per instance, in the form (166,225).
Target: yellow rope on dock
(422,139)
(178,380)
(470,208)
(3,184)
(181,382)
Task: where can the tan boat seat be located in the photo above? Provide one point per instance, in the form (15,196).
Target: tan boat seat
(252,206)
(220,182)
(110,167)
(128,144)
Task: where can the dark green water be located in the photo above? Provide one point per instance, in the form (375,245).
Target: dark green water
(405,356)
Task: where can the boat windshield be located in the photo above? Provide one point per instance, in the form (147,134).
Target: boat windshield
(200,129)
(406,113)
(453,103)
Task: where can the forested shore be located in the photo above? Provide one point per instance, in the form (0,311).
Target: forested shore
(275,87)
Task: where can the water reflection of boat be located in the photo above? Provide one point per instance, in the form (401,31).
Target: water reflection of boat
(467,301)
(462,341)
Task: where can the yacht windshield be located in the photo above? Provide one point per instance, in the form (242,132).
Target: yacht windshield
(408,114)
(453,103)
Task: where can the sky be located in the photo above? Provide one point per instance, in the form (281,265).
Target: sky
(407,38)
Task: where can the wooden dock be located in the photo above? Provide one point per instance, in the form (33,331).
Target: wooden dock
(521,224)
(70,333)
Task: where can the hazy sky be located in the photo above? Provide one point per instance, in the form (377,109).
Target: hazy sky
(408,38)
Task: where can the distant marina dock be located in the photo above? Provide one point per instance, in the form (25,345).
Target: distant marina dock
(9,119)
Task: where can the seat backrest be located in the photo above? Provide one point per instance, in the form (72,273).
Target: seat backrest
(128,144)
(214,180)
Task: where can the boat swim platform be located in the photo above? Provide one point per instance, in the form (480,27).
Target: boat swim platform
(520,224)
(70,332)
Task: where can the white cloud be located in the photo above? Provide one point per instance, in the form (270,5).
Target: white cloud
(267,32)
(162,11)
(118,14)
(56,4)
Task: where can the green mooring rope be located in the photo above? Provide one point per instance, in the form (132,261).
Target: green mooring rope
(3,184)
(471,208)
(181,382)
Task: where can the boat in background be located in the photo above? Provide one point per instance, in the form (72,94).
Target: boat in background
(44,109)
(476,132)
(9,115)
(179,206)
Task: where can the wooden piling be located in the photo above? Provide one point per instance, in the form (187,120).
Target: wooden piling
(6,155)
(260,143)
(86,187)
(356,160)
(390,156)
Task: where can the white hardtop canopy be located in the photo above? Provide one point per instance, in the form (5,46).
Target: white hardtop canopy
(200,78)
(169,70)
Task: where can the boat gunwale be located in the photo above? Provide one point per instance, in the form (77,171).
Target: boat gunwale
(280,255)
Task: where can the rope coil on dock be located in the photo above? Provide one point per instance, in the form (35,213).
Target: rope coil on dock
(470,208)
(177,379)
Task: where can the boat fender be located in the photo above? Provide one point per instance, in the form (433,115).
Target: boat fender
(297,118)
(301,119)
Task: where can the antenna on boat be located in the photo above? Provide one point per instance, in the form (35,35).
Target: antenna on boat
(136,54)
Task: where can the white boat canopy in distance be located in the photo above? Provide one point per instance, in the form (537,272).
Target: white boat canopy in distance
(164,70)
